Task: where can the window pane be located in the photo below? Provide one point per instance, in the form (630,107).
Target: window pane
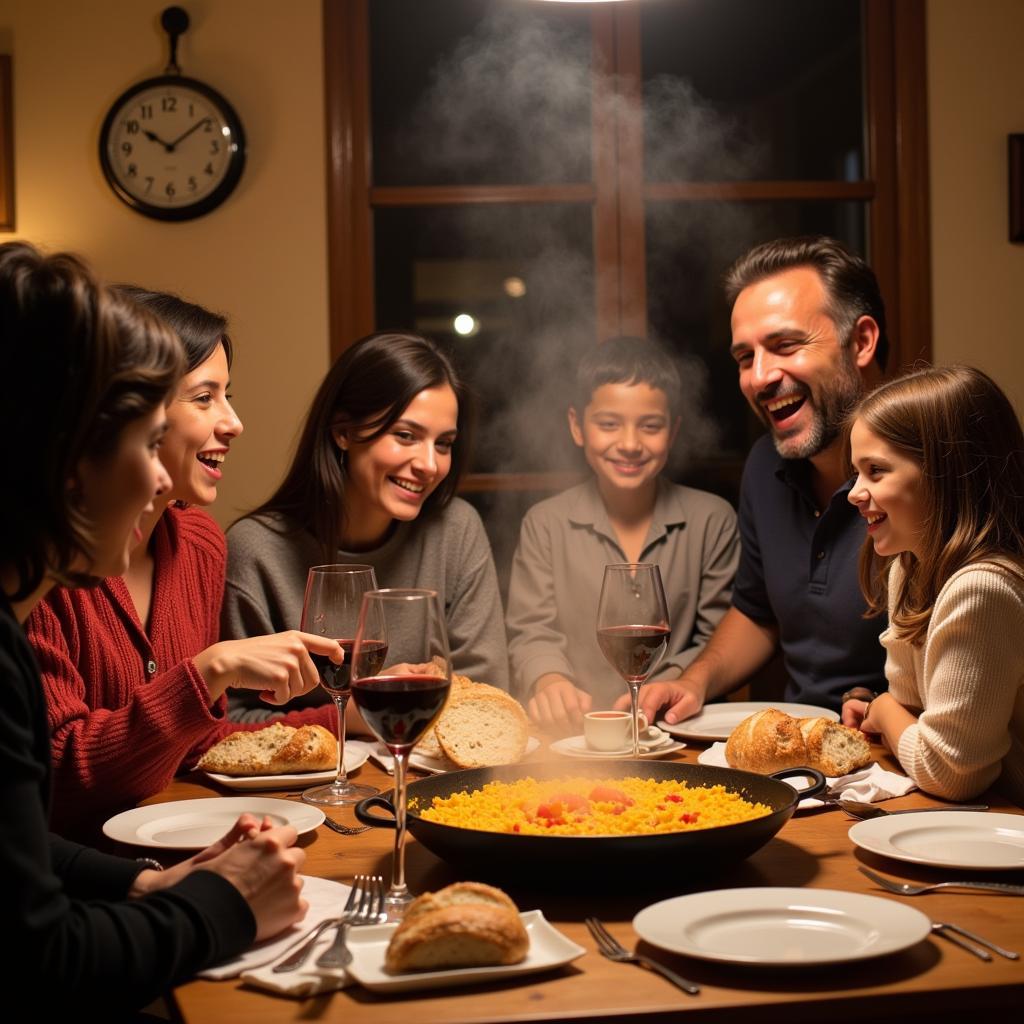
(749,89)
(465,92)
(689,248)
(523,278)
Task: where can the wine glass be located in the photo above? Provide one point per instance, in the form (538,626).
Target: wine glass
(633,627)
(334,595)
(404,700)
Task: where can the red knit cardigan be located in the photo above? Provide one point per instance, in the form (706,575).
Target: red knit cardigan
(127,709)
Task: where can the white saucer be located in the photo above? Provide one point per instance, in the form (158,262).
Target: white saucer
(576,746)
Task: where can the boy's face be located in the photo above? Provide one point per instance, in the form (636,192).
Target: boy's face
(626,432)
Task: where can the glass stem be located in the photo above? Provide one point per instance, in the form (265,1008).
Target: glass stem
(341,776)
(634,701)
(399,890)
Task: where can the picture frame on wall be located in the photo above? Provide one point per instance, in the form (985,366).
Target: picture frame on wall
(1016,165)
(6,146)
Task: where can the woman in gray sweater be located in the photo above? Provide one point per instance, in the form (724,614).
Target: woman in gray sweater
(373,481)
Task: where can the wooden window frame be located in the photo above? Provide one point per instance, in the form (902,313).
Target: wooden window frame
(896,186)
(6,146)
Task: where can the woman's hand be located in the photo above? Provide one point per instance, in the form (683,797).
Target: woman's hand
(557,704)
(260,860)
(278,664)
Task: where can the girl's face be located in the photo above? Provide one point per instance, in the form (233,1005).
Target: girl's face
(392,476)
(887,493)
(201,427)
(117,491)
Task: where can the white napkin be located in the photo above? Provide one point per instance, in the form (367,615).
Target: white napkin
(308,980)
(868,784)
(325,898)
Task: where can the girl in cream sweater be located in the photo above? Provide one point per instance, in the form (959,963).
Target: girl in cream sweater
(939,456)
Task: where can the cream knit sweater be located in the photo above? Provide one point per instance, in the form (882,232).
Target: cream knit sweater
(967,684)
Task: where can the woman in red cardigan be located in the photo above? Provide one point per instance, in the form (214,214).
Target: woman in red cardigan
(80,430)
(134,675)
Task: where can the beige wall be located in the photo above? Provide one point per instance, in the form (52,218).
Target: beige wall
(975,98)
(261,257)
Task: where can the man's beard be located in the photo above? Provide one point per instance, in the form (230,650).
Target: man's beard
(829,409)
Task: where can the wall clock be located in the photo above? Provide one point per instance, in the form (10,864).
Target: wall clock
(172,147)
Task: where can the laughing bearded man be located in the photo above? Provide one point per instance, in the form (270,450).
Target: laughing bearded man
(808,337)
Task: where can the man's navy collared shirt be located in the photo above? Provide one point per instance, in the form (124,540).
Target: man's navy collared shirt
(798,573)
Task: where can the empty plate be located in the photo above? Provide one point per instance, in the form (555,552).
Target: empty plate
(194,824)
(947,839)
(781,927)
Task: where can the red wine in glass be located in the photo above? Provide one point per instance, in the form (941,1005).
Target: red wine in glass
(633,627)
(337,678)
(333,598)
(401,703)
(400,708)
(633,650)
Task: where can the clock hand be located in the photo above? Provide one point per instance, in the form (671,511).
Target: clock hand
(153,137)
(185,135)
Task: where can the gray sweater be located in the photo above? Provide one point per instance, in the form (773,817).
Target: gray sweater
(449,552)
(564,545)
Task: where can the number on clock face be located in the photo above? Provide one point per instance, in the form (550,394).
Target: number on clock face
(170,150)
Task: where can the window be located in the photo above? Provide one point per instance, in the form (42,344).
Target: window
(519,180)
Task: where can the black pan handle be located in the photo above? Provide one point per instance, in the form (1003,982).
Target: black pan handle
(362,810)
(818,786)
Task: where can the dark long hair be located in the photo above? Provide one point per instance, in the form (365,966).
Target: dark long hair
(200,330)
(81,362)
(368,388)
(962,431)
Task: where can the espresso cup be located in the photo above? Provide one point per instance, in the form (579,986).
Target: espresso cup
(610,730)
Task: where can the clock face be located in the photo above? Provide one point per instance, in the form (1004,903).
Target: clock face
(172,148)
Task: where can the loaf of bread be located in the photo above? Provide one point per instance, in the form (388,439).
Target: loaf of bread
(277,750)
(771,740)
(467,924)
(480,727)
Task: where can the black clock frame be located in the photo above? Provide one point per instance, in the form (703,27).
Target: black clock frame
(236,163)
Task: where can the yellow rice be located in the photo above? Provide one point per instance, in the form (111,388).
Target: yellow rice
(554,807)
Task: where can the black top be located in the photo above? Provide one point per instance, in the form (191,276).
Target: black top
(65,944)
(798,572)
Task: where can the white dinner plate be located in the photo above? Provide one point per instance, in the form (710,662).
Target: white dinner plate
(431,765)
(947,839)
(355,757)
(717,721)
(194,824)
(781,927)
(576,746)
(549,948)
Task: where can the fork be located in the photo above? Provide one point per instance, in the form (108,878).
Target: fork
(345,830)
(905,889)
(368,891)
(610,947)
(944,928)
(296,959)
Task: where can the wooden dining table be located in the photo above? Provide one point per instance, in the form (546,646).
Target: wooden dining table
(932,981)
